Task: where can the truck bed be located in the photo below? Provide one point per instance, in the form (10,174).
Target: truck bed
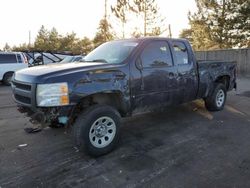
(210,70)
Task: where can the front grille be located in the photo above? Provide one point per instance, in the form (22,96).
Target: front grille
(22,86)
(24,93)
(22,99)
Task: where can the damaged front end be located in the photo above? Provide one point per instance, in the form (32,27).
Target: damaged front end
(41,108)
(48,116)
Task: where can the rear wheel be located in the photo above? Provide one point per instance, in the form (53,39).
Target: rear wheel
(217,99)
(7,78)
(97,130)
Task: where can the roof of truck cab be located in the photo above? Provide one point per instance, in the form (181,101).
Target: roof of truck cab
(150,38)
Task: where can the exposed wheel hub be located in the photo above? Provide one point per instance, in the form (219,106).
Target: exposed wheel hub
(102,132)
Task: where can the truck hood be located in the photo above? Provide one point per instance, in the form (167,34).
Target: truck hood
(40,73)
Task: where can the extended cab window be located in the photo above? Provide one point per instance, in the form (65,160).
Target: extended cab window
(7,58)
(156,54)
(181,53)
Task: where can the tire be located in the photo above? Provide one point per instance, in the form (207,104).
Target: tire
(216,100)
(7,78)
(97,130)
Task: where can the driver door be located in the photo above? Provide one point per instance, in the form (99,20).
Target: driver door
(154,81)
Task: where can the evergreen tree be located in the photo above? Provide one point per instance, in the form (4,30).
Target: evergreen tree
(187,34)
(220,24)
(53,43)
(68,42)
(83,46)
(240,22)
(22,47)
(7,47)
(42,39)
(104,33)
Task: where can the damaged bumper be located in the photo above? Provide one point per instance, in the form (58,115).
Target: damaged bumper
(24,95)
(46,116)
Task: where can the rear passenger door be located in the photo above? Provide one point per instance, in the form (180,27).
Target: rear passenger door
(154,84)
(187,72)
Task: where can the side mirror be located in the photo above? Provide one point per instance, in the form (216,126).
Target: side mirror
(184,49)
(138,64)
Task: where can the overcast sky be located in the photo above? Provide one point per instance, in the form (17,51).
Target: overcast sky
(18,17)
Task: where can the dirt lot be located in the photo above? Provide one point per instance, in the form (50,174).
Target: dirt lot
(185,146)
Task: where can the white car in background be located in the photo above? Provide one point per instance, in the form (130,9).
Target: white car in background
(9,63)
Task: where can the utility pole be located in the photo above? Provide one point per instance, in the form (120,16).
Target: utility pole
(105,18)
(29,38)
(105,13)
(169,31)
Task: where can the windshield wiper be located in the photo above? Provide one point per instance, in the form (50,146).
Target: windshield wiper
(97,60)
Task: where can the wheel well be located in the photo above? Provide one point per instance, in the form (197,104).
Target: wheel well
(9,72)
(111,99)
(224,80)
(3,79)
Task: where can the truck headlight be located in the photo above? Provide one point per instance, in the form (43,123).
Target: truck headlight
(55,94)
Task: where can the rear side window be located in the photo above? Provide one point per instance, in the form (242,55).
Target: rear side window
(19,59)
(156,54)
(181,53)
(7,58)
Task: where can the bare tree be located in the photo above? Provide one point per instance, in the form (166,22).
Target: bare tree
(152,19)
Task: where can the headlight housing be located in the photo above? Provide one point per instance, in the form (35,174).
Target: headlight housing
(56,94)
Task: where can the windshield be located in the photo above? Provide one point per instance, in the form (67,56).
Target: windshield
(67,59)
(111,52)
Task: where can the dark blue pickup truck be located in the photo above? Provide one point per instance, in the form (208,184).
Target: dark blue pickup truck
(118,79)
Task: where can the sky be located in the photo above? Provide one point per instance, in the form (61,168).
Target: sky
(18,17)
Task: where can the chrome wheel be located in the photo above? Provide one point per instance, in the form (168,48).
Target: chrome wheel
(102,132)
(220,97)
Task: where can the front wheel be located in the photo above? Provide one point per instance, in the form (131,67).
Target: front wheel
(97,130)
(217,99)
